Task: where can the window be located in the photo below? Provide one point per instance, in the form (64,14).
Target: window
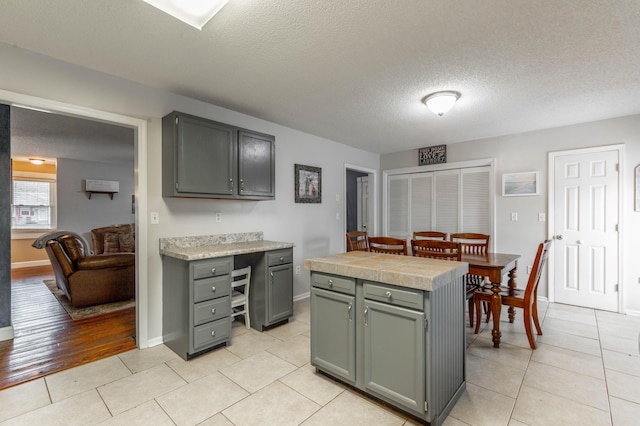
(33,201)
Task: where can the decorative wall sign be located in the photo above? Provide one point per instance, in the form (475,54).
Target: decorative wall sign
(433,155)
(308,184)
(520,184)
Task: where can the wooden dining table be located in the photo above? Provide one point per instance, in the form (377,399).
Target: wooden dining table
(495,266)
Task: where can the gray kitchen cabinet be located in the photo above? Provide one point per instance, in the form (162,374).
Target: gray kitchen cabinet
(203,158)
(397,375)
(333,330)
(256,164)
(381,339)
(196,304)
(271,300)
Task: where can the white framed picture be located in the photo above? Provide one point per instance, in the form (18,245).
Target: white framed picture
(520,184)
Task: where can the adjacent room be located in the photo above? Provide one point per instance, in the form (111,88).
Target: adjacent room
(357,212)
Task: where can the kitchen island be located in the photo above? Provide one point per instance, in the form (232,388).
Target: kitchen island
(391,326)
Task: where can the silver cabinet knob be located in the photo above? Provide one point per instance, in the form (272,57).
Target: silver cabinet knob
(213,270)
(213,289)
(213,311)
(330,283)
(281,259)
(388,294)
(213,333)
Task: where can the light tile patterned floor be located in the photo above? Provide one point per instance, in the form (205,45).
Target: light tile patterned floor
(586,371)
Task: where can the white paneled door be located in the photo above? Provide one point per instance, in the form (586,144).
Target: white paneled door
(586,219)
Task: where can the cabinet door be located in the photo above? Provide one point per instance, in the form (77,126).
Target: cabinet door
(333,342)
(280,293)
(206,157)
(256,164)
(398,375)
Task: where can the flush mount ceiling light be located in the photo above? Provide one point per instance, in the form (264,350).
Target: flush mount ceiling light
(36,161)
(441,102)
(193,12)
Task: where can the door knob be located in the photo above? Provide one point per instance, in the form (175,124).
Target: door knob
(579,242)
(558,237)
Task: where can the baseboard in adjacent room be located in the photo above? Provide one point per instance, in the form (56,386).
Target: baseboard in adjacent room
(6,333)
(30,264)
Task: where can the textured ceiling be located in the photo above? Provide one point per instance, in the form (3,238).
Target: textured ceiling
(354,71)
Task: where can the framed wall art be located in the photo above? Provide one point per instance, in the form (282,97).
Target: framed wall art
(520,184)
(308,184)
(436,154)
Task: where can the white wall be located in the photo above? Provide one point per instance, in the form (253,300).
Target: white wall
(311,227)
(78,213)
(529,152)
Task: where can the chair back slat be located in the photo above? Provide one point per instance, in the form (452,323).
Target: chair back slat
(357,240)
(436,249)
(430,235)
(388,245)
(472,243)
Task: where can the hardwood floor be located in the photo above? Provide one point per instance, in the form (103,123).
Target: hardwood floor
(47,340)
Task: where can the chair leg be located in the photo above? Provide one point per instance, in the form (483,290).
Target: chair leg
(487,309)
(471,311)
(535,315)
(527,326)
(476,301)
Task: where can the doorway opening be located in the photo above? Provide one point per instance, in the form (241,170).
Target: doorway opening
(360,199)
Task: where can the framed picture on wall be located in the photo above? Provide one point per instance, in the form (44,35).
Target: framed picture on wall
(308,184)
(520,184)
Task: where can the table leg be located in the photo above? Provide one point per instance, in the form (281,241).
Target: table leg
(496,306)
(512,285)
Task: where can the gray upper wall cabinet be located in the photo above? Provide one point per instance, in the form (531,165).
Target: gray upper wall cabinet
(205,159)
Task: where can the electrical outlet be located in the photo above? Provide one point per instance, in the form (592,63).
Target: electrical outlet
(514,216)
(297,269)
(529,269)
(218,217)
(155,218)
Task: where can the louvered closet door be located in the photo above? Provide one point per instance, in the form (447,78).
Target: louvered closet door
(447,205)
(421,201)
(398,207)
(476,203)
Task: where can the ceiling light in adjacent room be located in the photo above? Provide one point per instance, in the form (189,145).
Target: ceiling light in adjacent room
(193,12)
(441,102)
(36,161)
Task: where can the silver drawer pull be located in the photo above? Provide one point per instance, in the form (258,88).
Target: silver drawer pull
(281,259)
(349,308)
(213,333)
(213,289)
(213,270)
(366,320)
(388,294)
(330,283)
(213,310)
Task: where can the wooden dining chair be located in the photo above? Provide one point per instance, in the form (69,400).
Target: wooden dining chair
(388,245)
(430,235)
(447,250)
(357,240)
(526,299)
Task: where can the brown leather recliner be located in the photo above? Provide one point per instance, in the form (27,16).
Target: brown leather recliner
(88,279)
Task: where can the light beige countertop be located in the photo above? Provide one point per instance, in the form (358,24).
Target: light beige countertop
(405,271)
(211,246)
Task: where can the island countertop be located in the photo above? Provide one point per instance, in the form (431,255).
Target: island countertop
(406,271)
(211,246)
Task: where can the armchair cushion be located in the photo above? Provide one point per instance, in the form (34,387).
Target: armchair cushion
(113,239)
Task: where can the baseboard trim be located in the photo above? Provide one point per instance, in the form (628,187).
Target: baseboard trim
(154,342)
(302,296)
(6,333)
(632,312)
(30,264)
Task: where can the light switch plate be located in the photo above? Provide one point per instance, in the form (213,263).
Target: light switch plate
(542,217)
(155,218)
(514,216)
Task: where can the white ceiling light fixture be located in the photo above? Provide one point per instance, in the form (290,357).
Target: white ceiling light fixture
(193,12)
(441,102)
(36,161)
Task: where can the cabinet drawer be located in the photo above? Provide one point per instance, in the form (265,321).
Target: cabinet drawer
(275,258)
(394,295)
(212,310)
(211,268)
(211,288)
(332,282)
(211,333)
